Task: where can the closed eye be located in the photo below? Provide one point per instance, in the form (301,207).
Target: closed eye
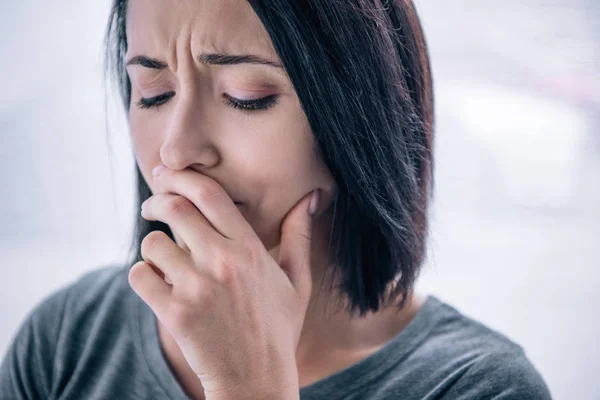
(251,105)
(244,105)
(155,101)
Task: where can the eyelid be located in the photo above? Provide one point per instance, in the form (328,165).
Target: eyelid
(252,105)
(242,98)
(155,101)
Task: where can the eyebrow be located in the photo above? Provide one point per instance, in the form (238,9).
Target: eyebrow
(206,58)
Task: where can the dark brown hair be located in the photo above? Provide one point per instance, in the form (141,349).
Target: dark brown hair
(361,71)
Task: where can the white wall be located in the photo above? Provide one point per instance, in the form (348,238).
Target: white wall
(515,223)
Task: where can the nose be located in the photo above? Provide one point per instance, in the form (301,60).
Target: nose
(188,137)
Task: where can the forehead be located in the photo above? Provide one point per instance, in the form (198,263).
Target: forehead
(229,26)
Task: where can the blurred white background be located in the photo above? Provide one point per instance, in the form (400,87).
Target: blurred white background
(515,227)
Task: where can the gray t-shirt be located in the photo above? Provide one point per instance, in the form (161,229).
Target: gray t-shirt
(96,339)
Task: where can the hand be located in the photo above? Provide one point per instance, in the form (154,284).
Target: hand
(233,310)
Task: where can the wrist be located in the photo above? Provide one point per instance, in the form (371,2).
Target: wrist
(270,388)
(275,392)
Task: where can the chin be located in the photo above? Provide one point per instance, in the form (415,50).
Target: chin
(270,238)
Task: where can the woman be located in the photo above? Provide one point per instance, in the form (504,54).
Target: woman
(280,146)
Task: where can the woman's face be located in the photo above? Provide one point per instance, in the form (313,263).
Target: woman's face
(262,158)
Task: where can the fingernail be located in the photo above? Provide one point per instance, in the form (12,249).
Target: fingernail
(314,202)
(157,170)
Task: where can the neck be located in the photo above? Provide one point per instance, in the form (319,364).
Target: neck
(328,328)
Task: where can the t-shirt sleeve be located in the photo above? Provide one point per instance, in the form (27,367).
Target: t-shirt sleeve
(500,376)
(26,369)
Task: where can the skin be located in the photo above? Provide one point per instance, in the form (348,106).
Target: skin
(264,159)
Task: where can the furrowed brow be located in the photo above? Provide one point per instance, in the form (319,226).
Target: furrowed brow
(206,58)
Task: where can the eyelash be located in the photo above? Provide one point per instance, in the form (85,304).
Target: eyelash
(244,105)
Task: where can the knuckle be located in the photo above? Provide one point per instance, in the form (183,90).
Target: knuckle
(136,271)
(199,293)
(300,230)
(194,300)
(209,190)
(304,235)
(251,248)
(177,206)
(226,271)
(150,241)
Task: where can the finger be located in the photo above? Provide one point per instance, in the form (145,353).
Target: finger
(184,218)
(295,246)
(159,250)
(150,287)
(210,198)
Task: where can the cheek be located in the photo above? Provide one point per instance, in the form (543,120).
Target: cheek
(283,159)
(285,178)
(286,168)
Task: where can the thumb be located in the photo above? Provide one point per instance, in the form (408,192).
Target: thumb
(296,236)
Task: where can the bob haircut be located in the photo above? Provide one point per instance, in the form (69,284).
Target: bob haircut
(361,72)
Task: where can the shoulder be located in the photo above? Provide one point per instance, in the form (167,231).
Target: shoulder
(81,300)
(88,307)
(75,303)
(97,289)
(88,287)
(506,375)
(440,354)
(482,362)
(57,329)
(468,335)
(90,291)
